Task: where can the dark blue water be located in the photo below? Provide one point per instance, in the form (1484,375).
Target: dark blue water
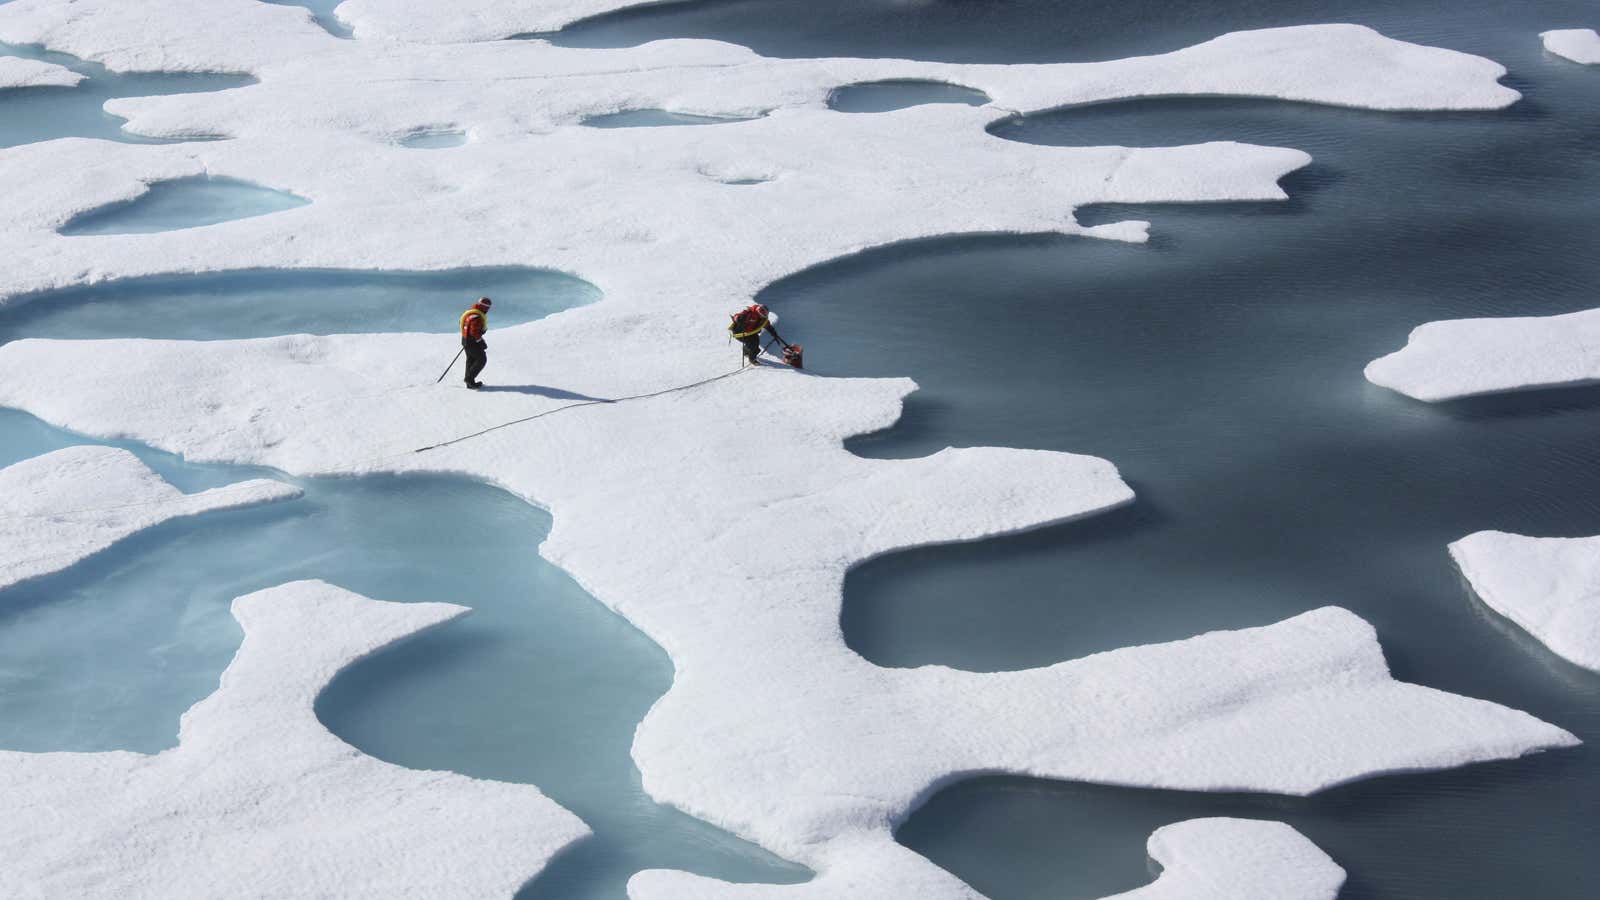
(183,203)
(265,302)
(540,684)
(45,113)
(883,96)
(1220,368)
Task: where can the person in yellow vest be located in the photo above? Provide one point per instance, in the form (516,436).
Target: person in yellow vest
(474,322)
(747,325)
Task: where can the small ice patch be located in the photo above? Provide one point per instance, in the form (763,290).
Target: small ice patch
(183,203)
(1454,358)
(1581,45)
(1549,586)
(16,72)
(884,96)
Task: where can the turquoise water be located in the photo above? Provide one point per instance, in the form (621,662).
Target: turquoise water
(266,302)
(183,203)
(883,96)
(35,114)
(654,118)
(540,684)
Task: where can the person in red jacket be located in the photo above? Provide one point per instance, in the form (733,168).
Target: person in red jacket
(747,325)
(474,322)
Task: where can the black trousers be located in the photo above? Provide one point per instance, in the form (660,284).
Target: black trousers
(752,346)
(477,356)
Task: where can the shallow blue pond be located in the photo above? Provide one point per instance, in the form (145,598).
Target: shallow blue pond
(540,684)
(182,203)
(35,114)
(267,302)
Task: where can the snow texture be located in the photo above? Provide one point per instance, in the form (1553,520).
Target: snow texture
(1237,859)
(1201,859)
(773,728)
(259,799)
(1549,586)
(1581,45)
(61,507)
(16,72)
(1460,357)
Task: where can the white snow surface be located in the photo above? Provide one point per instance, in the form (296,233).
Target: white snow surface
(1549,586)
(773,727)
(61,507)
(259,799)
(1454,358)
(1581,45)
(16,72)
(1237,859)
(1201,859)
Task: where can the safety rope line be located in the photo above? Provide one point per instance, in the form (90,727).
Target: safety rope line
(551,412)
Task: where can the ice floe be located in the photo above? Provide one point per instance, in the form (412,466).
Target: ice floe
(1549,586)
(63,506)
(258,798)
(1237,859)
(1460,357)
(17,72)
(773,727)
(1581,45)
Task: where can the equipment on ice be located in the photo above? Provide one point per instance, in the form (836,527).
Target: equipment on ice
(792,355)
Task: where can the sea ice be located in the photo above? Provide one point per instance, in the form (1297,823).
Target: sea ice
(1549,586)
(63,506)
(1237,859)
(773,727)
(1581,45)
(17,72)
(1460,357)
(1201,859)
(258,798)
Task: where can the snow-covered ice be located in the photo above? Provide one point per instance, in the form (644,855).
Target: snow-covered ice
(61,507)
(1581,45)
(17,72)
(258,798)
(1201,859)
(1460,357)
(1549,586)
(1237,859)
(773,727)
